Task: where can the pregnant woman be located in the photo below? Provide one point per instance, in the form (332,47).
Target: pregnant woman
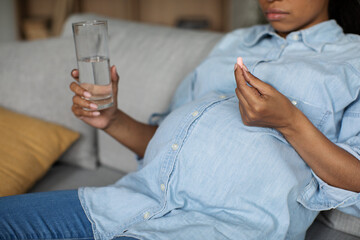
(253,151)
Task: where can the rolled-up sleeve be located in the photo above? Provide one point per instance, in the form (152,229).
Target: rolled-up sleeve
(318,195)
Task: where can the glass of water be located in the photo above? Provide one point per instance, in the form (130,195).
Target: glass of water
(91,45)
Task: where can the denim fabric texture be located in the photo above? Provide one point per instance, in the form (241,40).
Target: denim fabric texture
(48,215)
(206,175)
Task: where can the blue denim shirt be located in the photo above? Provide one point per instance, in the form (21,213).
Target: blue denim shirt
(206,175)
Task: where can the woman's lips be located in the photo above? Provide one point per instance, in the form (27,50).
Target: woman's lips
(275,14)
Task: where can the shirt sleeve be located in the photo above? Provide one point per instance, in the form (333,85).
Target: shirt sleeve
(318,195)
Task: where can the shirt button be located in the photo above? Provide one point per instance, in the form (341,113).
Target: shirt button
(296,37)
(294,102)
(222,96)
(146,215)
(283,46)
(174,147)
(195,113)
(162,187)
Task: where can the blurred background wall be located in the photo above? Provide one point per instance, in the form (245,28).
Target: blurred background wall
(37,19)
(8,28)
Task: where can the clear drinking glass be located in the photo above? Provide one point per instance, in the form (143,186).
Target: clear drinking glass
(91,45)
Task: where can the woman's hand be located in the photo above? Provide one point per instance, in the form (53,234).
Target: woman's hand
(260,104)
(263,106)
(126,130)
(98,119)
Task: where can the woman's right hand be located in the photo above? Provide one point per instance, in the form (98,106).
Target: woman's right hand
(98,119)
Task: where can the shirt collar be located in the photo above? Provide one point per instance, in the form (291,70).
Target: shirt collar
(314,37)
(258,34)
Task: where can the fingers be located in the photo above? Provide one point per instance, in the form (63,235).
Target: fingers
(81,113)
(83,103)
(261,87)
(243,102)
(82,106)
(239,77)
(242,106)
(115,82)
(250,94)
(80,102)
(75,74)
(114,78)
(240,62)
(114,74)
(78,90)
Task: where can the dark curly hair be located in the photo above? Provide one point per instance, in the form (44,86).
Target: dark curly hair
(347,14)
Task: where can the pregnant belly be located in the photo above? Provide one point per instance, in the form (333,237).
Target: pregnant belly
(226,159)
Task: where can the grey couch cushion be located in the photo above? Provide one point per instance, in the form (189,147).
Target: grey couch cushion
(341,222)
(64,176)
(35,78)
(320,231)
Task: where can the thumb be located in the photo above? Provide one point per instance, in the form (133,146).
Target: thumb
(114,74)
(114,81)
(261,86)
(114,77)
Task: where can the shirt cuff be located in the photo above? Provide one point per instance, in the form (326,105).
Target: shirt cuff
(319,196)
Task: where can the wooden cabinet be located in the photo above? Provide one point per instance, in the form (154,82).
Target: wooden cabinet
(44,18)
(208,14)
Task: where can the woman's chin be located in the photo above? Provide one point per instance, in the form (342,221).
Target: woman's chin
(282,28)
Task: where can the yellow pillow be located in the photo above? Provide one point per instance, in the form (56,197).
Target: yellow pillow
(28,147)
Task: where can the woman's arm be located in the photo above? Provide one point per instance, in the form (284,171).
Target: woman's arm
(263,106)
(126,130)
(131,133)
(331,163)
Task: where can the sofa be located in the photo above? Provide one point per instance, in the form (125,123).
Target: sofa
(151,61)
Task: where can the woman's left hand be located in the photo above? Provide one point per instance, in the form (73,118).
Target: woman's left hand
(260,104)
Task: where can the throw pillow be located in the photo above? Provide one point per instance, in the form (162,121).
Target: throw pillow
(28,147)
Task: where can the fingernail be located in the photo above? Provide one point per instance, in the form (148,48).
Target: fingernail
(96,113)
(87,94)
(93,106)
(240,62)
